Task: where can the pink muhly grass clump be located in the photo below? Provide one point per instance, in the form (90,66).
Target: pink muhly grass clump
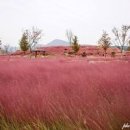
(94,94)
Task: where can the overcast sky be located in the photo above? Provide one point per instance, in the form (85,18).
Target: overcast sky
(86,18)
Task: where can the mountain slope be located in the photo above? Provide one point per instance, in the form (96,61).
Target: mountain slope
(58,42)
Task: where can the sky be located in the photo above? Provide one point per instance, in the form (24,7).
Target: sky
(86,18)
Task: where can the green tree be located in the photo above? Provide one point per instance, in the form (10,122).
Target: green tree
(75,45)
(104,42)
(24,45)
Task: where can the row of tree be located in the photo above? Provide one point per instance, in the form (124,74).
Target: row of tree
(122,39)
(31,37)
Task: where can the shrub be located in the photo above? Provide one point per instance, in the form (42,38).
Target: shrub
(70,53)
(113,54)
(84,54)
(75,45)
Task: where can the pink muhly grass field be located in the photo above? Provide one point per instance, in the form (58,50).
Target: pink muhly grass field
(94,94)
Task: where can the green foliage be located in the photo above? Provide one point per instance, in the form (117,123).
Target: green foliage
(104,42)
(24,45)
(75,45)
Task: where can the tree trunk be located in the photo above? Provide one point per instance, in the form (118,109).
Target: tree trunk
(122,48)
(105,53)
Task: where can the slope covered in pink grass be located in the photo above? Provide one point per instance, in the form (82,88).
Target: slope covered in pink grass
(96,94)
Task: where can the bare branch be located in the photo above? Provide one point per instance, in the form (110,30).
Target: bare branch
(122,37)
(69,35)
(6,48)
(34,35)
